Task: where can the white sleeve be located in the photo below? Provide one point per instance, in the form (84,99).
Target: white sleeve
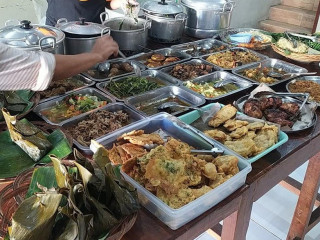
(21,69)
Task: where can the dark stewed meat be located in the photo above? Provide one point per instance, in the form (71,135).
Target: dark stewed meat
(290,108)
(278,116)
(252,108)
(270,102)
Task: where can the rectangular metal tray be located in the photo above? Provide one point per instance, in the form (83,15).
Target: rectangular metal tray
(204,42)
(119,60)
(53,102)
(273,63)
(112,107)
(142,57)
(193,119)
(167,70)
(242,83)
(163,78)
(262,57)
(85,80)
(183,95)
(175,218)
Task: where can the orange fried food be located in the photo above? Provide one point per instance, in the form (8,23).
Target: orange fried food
(158,57)
(133,150)
(132,133)
(172,59)
(114,155)
(227,164)
(154,64)
(145,139)
(224,114)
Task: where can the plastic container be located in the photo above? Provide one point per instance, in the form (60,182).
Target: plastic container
(175,218)
(241,37)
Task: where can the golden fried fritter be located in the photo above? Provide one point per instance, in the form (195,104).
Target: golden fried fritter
(255,126)
(266,137)
(250,134)
(177,200)
(233,124)
(210,171)
(207,158)
(216,134)
(246,147)
(154,64)
(227,164)
(133,150)
(145,139)
(223,115)
(171,59)
(114,155)
(221,178)
(198,192)
(158,57)
(176,148)
(132,133)
(239,132)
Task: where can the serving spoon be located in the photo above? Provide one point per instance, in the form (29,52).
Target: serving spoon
(167,105)
(279,75)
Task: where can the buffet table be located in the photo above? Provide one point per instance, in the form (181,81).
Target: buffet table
(266,173)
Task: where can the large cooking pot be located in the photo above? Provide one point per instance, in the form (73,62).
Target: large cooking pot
(80,35)
(130,34)
(207,17)
(168,20)
(33,37)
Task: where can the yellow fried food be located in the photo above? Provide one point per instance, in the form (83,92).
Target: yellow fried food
(114,155)
(145,139)
(233,124)
(251,134)
(132,133)
(216,134)
(177,200)
(227,164)
(224,114)
(219,180)
(266,137)
(255,126)
(210,171)
(239,132)
(246,147)
(198,192)
(158,57)
(177,148)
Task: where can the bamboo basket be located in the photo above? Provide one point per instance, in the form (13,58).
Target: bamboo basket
(300,57)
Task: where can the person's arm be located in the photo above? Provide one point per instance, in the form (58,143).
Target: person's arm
(115,4)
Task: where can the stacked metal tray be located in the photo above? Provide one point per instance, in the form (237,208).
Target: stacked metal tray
(112,107)
(271,63)
(162,78)
(143,57)
(156,98)
(95,75)
(261,56)
(48,104)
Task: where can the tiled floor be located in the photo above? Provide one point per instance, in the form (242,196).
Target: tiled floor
(272,214)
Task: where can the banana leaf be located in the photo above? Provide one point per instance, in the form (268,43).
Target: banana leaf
(13,160)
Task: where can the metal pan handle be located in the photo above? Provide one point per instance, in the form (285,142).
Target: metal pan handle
(11,22)
(181,16)
(147,25)
(105,15)
(228,4)
(62,20)
(43,46)
(105,31)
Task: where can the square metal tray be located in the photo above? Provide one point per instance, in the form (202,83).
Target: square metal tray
(53,102)
(85,80)
(194,119)
(242,83)
(171,125)
(162,78)
(262,57)
(205,43)
(142,57)
(271,63)
(167,70)
(188,97)
(104,76)
(112,107)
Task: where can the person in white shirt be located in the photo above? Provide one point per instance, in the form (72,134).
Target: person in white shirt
(33,70)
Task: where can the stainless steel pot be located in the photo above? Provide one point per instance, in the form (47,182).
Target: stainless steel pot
(206,17)
(168,20)
(33,37)
(80,35)
(130,34)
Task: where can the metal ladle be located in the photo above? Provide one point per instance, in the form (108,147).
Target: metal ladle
(167,105)
(279,75)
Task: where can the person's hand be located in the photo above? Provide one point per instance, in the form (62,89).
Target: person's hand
(105,47)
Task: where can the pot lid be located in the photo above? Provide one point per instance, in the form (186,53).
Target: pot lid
(162,7)
(80,27)
(26,35)
(209,4)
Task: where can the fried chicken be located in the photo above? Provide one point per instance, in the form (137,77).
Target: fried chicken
(224,114)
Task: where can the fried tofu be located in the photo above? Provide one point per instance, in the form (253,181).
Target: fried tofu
(233,124)
(224,114)
(216,134)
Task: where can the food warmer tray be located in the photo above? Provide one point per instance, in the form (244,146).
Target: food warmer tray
(85,80)
(112,107)
(261,56)
(184,95)
(221,75)
(175,218)
(167,70)
(142,57)
(194,119)
(163,78)
(53,102)
(243,99)
(188,46)
(309,78)
(134,64)
(271,63)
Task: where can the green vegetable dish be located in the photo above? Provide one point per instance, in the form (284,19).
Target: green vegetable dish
(131,86)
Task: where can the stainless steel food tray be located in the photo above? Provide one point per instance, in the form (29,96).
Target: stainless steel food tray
(112,107)
(193,100)
(167,70)
(142,57)
(307,78)
(271,63)
(261,56)
(85,80)
(105,77)
(242,83)
(163,78)
(206,43)
(53,102)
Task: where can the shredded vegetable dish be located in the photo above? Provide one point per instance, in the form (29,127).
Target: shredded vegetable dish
(306,86)
(72,106)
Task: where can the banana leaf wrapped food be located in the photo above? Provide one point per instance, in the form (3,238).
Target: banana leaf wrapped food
(94,201)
